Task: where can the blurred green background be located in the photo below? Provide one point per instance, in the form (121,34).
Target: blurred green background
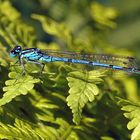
(124,35)
(101,26)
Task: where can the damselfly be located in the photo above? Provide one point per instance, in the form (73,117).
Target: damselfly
(37,56)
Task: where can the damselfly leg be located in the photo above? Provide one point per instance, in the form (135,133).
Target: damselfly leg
(23,70)
(15,63)
(38,63)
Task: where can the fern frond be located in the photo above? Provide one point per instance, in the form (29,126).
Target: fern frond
(9,9)
(12,29)
(103,15)
(20,130)
(4,56)
(62,32)
(66,131)
(83,88)
(132,112)
(13,89)
(52,27)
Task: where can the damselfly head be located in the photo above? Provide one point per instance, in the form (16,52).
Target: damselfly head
(15,51)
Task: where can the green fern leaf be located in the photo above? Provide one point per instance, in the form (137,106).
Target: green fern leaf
(103,15)
(20,130)
(132,112)
(4,56)
(52,27)
(7,5)
(12,29)
(66,130)
(13,89)
(83,88)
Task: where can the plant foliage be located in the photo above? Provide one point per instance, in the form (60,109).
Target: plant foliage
(67,101)
(132,111)
(83,88)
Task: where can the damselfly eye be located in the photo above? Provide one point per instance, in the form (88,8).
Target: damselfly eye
(15,51)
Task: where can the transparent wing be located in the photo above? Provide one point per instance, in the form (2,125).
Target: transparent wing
(124,61)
